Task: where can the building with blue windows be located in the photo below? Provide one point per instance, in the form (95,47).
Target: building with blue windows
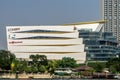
(99,46)
(81,41)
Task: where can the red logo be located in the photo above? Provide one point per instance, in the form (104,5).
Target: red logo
(15,42)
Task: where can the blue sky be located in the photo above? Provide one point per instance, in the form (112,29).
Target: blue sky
(45,12)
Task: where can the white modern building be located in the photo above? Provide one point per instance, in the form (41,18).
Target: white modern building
(55,42)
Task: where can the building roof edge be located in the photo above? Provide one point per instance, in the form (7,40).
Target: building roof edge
(90,22)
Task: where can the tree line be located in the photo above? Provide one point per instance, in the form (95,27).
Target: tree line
(40,64)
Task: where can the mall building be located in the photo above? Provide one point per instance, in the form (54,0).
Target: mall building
(55,42)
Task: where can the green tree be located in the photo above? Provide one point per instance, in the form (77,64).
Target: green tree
(114,65)
(112,69)
(20,65)
(28,69)
(6,58)
(34,69)
(43,60)
(68,62)
(97,66)
(52,64)
(39,62)
(39,59)
(42,69)
(34,59)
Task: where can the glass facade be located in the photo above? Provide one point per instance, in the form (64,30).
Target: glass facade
(42,37)
(39,31)
(99,46)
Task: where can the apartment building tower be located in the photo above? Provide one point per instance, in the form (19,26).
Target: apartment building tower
(110,12)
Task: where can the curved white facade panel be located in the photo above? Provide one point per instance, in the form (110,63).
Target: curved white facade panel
(93,27)
(49,28)
(72,48)
(26,35)
(46,42)
(55,42)
(79,57)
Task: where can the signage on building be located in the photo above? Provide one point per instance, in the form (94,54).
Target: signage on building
(15,42)
(13,29)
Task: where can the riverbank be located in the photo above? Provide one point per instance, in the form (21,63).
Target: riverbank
(37,76)
(24,75)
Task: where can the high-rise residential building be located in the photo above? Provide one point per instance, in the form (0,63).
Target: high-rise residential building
(110,11)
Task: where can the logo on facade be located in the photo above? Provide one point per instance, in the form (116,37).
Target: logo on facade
(15,42)
(11,36)
(13,29)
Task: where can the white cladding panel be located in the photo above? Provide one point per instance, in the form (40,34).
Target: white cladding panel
(93,27)
(80,57)
(46,42)
(73,48)
(25,35)
(50,28)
